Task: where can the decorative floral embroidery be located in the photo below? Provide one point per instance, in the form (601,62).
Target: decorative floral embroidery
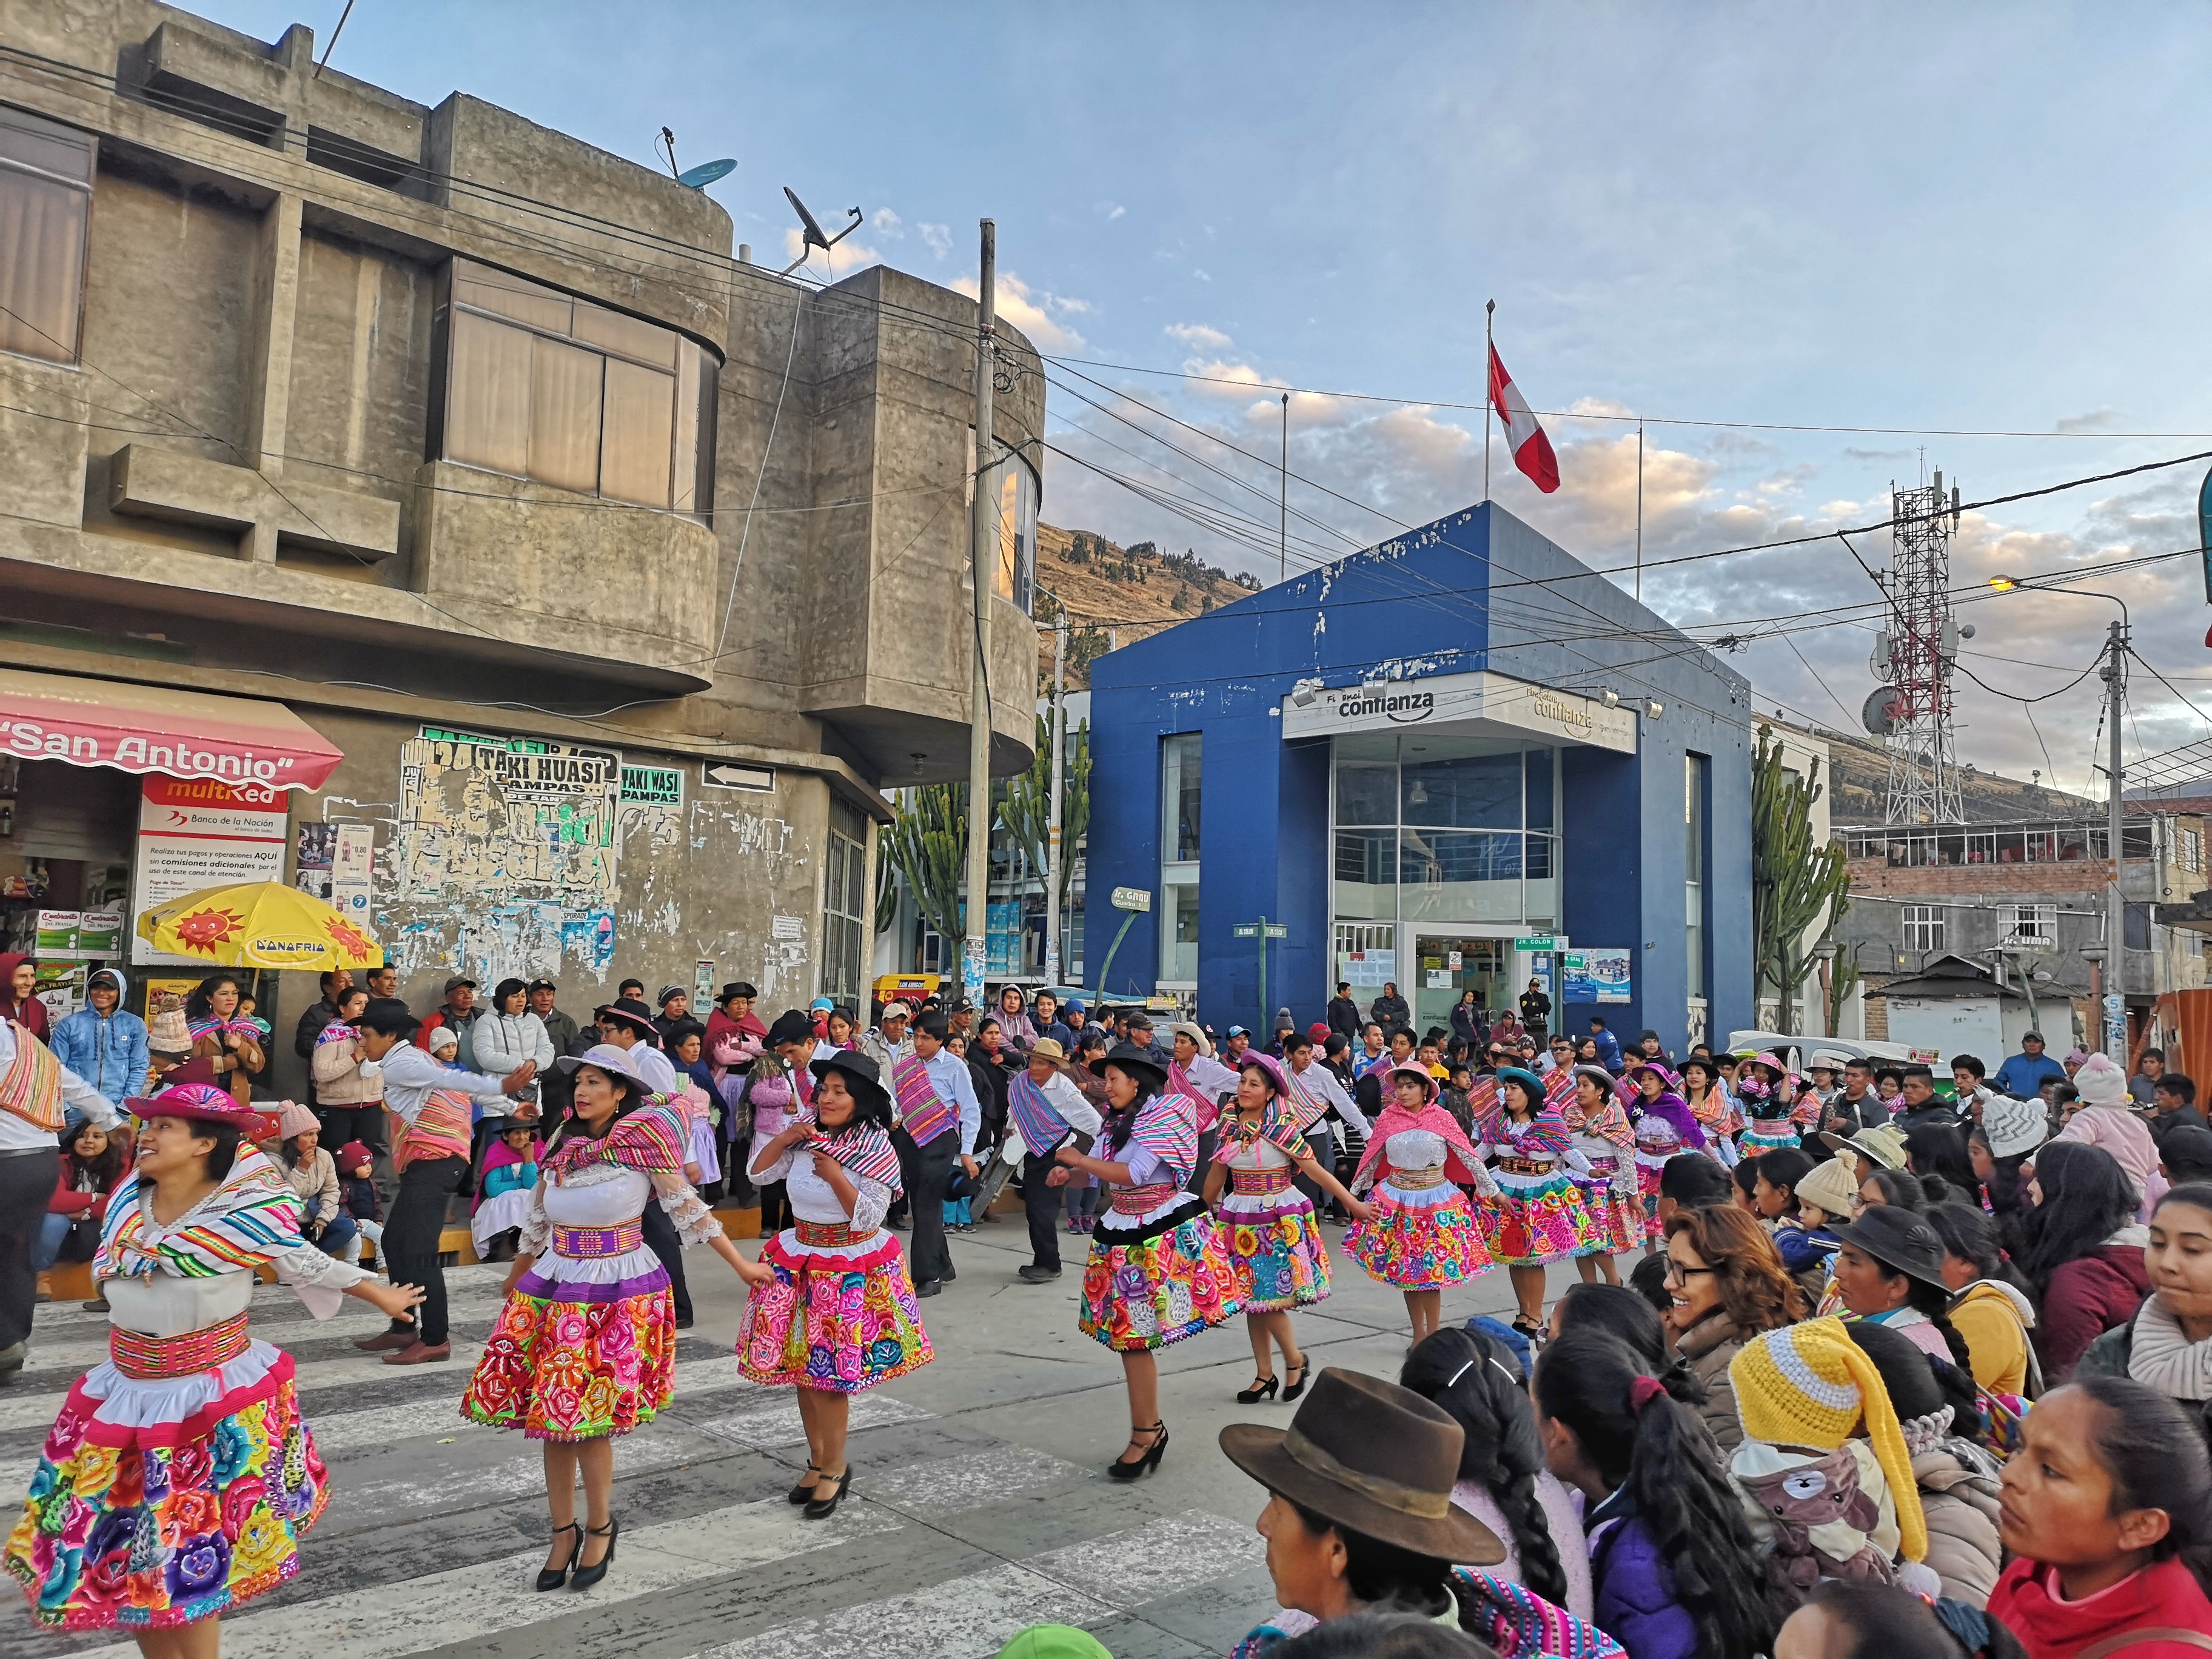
(1167,1287)
(575,1370)
(1419,1247)
(832,1322)
(1277,1261)
(1530,1225)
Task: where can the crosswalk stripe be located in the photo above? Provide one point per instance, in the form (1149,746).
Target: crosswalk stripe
(463,1604)
(30,1411)
(774,1421)
(967,1479)
(521,1473)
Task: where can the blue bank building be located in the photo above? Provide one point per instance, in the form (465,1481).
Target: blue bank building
(1455,761)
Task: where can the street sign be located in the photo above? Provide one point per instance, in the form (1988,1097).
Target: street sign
(722,775)
(1541,942)
(1132,898)
(1276,931)
(1245,930)
(2115,1003)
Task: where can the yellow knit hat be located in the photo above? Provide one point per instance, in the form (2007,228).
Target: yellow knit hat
(1809,1385)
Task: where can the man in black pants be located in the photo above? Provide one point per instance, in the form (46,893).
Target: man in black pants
(1043,1103)
(430,1101)
(938,1119)
(30,1166)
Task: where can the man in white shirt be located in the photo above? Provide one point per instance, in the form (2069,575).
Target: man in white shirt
(924,1167)
(1316,1080)
(30,1170)
(1042,1176)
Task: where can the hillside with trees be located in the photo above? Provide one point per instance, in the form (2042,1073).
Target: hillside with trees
(1116,595)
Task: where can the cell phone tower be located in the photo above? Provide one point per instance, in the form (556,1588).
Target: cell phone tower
(1914,656)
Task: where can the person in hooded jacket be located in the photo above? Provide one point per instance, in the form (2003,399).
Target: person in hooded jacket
(102,1043)
(2082,1249)
(1991,1303)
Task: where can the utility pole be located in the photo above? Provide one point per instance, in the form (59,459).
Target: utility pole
(2115,1015)
(1052,833)
(1283,507)
(983,546)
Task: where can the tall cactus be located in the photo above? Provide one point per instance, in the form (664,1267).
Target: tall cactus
(1795,884)
(928,842)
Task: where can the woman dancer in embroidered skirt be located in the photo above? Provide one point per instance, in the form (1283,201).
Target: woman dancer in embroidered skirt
(1664,1128)
(180,1476)
(1423,1236)
(1538,1215)
(1769,1101)
(585,1348)
(1157,1271)
(1603,1135)
(1268,1226)
(839,1313)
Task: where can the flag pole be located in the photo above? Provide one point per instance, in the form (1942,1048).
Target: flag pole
(1639,512)
(1488,355)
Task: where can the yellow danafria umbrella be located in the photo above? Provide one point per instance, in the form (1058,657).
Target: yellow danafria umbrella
(258,924)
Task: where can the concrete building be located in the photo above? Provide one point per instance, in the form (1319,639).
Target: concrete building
(1454,762)
(621,574)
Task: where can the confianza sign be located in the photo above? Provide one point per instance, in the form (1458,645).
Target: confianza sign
(1481,704)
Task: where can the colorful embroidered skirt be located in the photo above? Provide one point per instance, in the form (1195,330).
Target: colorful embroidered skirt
(574,1358)
(1613,1228)
(1424,1239)
(1276,1255)
(1537,1218)
(839,1318)
(1149,1283)
(1767,1136)
(160,1504)
(1650,1166)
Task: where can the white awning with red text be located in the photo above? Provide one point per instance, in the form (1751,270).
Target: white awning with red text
(153,729)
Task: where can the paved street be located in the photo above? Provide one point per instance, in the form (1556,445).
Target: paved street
(977,1505)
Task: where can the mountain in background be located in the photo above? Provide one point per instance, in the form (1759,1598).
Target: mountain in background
(1857,775)
(1115,595)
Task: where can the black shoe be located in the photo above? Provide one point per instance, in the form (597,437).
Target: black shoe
(1259,1391)
(1032,1274)
(951,1273)
(1292,1390)
(802,1493)
(929,1287)
(823,1508)
(551,1578)
(1118,1470)
(584,1577)
(684,1321)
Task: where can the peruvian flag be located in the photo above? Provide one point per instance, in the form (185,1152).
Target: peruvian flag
(1532,450)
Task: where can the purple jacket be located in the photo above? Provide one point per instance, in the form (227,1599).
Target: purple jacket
(1633,1597)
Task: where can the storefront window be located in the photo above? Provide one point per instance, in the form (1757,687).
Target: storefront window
(1018,522)
(1180,803)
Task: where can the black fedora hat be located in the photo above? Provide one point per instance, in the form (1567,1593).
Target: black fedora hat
(791,1026)
(1899,1240)
(1373,1458)
(1137,1062)
(860,1074)
(632,1013)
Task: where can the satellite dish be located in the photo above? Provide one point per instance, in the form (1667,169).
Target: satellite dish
(813,235)
(706,173)
(1882,711)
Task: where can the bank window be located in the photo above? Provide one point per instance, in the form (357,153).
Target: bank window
(46,210)
(556,390)
(844,893)
(1694,772)
(1923,927)
(2029,924)
(1180,804)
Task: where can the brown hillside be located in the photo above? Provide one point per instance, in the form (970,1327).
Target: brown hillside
(1115,594)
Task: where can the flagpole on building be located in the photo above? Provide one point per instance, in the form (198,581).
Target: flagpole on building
(1489,310)
(1639,512)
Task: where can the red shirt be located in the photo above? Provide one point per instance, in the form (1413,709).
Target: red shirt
(2164,1596)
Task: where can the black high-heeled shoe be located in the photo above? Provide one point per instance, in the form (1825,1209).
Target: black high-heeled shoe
(1292,1390)
(1118,1470)
(584,1577)
(823,1508)
(802,1493)
(1257,1392)
(551,1578)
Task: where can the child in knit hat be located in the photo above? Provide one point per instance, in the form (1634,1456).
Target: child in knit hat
(2106,1119)
(1803,1392)
(358,1191)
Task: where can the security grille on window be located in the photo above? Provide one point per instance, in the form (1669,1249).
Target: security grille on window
(556,390)
(1923,927)
(46,208)
(844,893)
(2034,925)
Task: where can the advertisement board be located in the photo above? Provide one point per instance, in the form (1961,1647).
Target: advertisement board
(195,833)
(1598,975)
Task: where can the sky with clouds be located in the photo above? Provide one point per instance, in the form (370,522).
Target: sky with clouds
(1729,220)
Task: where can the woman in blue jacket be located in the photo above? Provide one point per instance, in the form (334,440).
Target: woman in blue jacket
(101,1043)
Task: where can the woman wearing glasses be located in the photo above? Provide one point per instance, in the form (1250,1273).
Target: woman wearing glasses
(1728,1284)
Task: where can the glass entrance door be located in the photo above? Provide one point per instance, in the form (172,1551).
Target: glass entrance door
(1445,965)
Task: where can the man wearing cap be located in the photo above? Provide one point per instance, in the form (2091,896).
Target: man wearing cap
(939,1118)
(36,1089)
(2024,1072)
(102,1041)
(960,1022)
(1234,1047)
(458,1014)
(888,1043)
(675,1012)
(1140,1033)
(429,1103)
(1046,1109)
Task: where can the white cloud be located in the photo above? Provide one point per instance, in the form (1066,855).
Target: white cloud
(887,223)
(938,237)
(1112,210)
(1034,316)
(843,260)
(1198,337)
(2095,419)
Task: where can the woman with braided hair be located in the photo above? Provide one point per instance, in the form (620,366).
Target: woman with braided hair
(1503,1482)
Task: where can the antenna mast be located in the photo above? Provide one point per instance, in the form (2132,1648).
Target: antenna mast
(1916,653)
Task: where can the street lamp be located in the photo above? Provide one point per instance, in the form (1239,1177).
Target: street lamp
(1824,954)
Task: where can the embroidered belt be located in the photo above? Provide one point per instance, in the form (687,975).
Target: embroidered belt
(1522,1166)
(1774,1127)
(1417,1181)
(830,1235)
(1140,1201)
(1260,1182)
(592,1243)
(159,1359)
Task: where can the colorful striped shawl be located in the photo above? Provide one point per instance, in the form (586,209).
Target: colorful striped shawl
(250,1029)
(253,1216)
(1204,1110)
(337,1031)
(1276,1124)
(1042,1129)
(1461,1162)
(31,1088)
(1168,1129)
(1609,1123)
(1306,1106)
(866,1152)
(440,1129)
(645,1139)
(922,1112)
(1560,1088)
(1544,1135)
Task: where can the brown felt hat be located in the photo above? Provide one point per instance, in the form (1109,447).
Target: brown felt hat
(1373,1458)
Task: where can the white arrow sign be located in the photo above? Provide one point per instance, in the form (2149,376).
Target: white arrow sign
(722,775)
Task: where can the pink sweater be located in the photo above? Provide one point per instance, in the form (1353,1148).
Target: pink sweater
(1561,1511)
